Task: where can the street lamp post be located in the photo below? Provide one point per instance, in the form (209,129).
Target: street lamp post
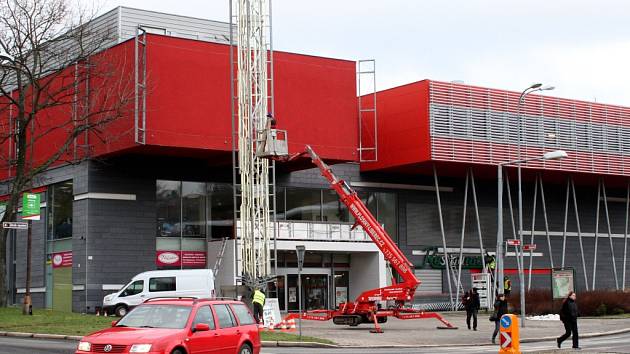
(533,88)
(300,249)
(553,155)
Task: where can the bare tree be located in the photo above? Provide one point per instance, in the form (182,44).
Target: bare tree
(58,90)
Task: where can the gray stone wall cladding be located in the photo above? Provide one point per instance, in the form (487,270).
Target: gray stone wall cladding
(119,235)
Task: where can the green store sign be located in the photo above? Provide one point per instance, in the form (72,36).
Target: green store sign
(30,206)
(437,261)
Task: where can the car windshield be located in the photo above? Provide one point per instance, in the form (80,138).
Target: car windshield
(156,316)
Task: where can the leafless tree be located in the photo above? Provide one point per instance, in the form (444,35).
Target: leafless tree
(57,88)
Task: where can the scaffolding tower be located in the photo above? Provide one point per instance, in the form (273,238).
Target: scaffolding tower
(254,178)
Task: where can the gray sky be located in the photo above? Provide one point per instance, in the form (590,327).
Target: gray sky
(580,47)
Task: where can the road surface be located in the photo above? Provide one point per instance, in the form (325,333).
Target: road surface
(608,344)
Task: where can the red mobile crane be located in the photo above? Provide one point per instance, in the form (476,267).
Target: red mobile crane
(365,308)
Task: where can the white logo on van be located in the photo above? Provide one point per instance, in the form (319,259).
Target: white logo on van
(57,259)
(168,258)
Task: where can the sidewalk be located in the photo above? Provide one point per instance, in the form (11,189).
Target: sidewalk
(424,332)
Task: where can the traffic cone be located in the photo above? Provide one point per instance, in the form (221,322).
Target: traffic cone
(270,326)
(292,324)
(283,325)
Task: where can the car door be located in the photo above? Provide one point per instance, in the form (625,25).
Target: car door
(203,342)
(228,330)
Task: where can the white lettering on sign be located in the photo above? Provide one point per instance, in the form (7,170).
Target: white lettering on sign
(531,247)
(168,257)
(15,225)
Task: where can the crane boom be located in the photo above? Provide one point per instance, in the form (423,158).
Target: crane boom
(367,307)
(363,217)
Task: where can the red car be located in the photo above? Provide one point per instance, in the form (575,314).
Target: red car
(179,326)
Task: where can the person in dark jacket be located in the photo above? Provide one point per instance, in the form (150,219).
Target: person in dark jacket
(568,316)
(472,306)
(500,309)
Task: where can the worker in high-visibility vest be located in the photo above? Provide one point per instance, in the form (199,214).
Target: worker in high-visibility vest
(259,302)
(507,285)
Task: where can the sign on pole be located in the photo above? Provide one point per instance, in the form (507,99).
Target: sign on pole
(562,282)
(530,247)
(30,206)
(15,225)
(514,242)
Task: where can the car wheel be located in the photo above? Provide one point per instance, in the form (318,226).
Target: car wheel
(121,310)
(178,351)
(245,349)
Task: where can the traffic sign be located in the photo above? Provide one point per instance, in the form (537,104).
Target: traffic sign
(506,340)
(18,225)
(509,335)
(530,247)
(506,321)
(514,242)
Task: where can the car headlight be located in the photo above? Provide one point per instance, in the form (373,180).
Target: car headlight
(140,348)
(84,346)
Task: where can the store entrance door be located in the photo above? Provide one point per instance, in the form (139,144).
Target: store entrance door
(314,292)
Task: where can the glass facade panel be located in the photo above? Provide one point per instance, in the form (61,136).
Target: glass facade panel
(303,204)
(220,210)
(280,203)
(60,199)
(333,209)
(193,209)
(387,207)
(168,208)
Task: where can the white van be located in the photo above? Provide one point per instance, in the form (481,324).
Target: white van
(197,283)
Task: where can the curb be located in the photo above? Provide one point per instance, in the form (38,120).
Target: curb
(267,344)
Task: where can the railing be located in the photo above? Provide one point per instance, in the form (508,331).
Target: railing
(301,230)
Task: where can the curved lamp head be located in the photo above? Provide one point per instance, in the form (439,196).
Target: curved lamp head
(535,86)
(555,155)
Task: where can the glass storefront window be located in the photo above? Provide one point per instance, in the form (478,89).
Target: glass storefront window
(59,201)
(220,210)
(387,207)
(333,209)
(341,287)
(168,208)
(303,204)
(193,209)
(280,202)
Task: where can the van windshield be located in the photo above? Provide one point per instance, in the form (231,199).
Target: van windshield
(156,316)
(133,288)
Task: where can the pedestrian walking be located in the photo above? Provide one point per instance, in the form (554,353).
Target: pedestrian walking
(568,316)
(500,309)
(472,306)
